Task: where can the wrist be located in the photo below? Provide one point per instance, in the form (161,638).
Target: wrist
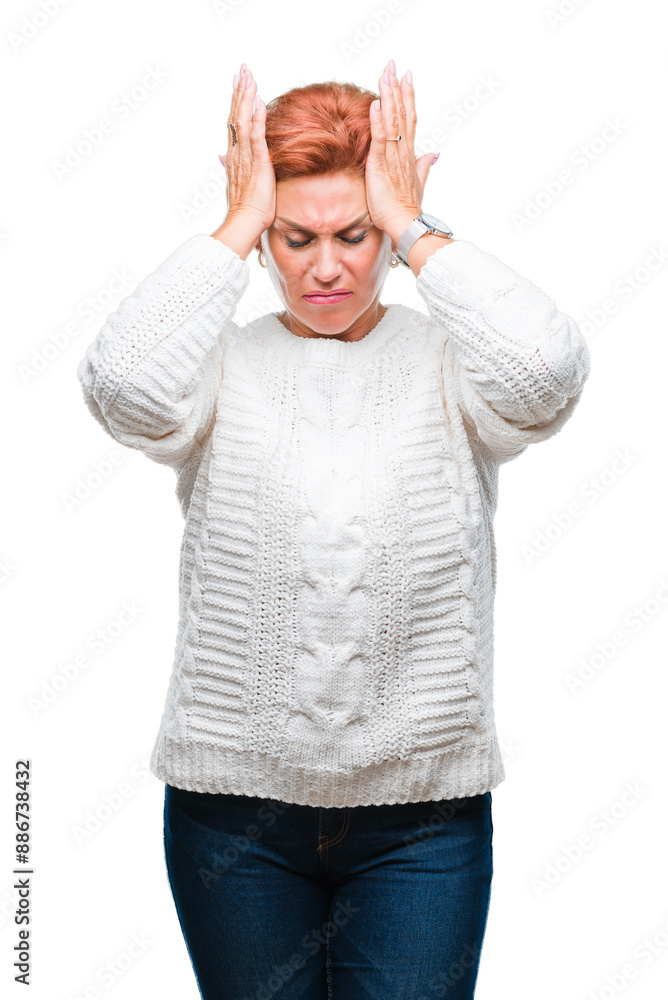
(399,224)
(423,247)
(239,232)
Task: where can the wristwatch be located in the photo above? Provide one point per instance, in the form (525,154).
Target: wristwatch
(420,226)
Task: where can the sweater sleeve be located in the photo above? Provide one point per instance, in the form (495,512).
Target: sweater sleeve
(519,364)
(152,375)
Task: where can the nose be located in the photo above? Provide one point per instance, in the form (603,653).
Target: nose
(327,262)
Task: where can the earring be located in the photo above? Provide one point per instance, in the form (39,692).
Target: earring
(394,260)
(259,257)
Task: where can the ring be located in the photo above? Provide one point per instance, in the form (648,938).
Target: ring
(233,129)
(394,140)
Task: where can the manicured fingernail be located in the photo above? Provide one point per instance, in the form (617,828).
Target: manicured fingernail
(409,77)
(221,158)
(435,158)
(243,69)
(235,81)
(393,68)
(386,77)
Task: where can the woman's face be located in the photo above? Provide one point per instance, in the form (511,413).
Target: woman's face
(340,249)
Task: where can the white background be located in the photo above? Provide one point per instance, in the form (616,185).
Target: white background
(553,82)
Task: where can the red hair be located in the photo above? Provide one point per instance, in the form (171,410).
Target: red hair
(319,128)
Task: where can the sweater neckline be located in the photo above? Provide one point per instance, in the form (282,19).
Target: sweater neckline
(324,349)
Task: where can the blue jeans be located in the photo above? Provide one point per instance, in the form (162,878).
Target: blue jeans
(294,902)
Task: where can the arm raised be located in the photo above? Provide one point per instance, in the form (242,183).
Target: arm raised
(152,375)
(519,364)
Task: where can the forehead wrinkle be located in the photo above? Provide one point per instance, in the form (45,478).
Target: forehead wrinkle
(343,229)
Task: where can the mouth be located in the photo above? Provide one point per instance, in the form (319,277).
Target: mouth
(327,299)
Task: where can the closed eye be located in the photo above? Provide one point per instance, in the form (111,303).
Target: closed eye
(356,239)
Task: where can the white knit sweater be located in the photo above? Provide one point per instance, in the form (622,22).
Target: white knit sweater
(338,567)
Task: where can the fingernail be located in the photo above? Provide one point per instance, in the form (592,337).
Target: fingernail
(386,77)
(243,69)
(247,81)
(221,158)
(435,158)
(235,81)
(409,77)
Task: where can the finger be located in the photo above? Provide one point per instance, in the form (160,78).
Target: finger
(258,141)
(409,104)
(245,114)
(240,81)
(399,105)
(377,147)
(423,166)
(236,93)
(389,115)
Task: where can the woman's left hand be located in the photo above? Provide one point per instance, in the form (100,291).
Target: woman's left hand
(394,179)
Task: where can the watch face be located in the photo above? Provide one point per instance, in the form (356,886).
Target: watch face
(436,223)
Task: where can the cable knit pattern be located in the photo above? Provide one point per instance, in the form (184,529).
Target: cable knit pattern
(338,568)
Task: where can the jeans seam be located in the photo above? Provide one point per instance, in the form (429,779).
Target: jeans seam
(344,828)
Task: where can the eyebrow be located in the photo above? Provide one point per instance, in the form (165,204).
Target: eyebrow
(345,229)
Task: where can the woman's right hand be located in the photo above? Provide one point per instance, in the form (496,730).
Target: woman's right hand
(251,183)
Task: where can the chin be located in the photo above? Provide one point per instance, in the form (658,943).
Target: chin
(327,319)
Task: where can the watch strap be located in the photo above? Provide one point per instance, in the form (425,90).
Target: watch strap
(417,228)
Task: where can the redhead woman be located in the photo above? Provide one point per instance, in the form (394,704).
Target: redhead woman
(328,743)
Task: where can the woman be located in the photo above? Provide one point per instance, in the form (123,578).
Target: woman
(328,744)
